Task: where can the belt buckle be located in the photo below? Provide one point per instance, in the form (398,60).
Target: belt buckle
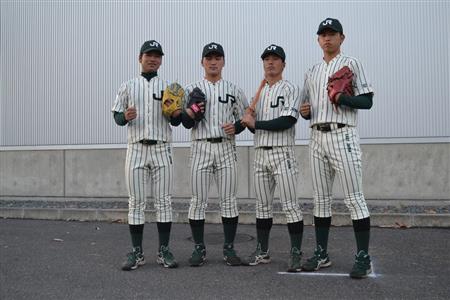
(324,127)
(267,147)
(148,142)
(215,140)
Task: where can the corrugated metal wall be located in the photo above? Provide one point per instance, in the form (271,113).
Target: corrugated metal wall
(62,62)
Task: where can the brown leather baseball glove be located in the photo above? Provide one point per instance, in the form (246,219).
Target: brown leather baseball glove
(340,82)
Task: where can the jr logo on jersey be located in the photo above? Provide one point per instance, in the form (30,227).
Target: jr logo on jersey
(156,97)
(227,97)
(276,104)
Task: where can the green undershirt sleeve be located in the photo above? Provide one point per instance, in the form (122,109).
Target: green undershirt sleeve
(363,101)
(187,122)
(281,123)
(119,117)
(175,121)
(238,128)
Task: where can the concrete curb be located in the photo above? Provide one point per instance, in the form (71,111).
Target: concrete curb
(120,215)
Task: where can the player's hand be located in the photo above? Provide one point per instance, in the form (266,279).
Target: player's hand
(176,113)
(251,111)
(338,95)
(248,121)
(130,113)
(305,110)
(229,128)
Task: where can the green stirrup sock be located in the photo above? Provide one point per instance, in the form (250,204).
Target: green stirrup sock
(137,232)
(229,229)
(322,229)
(263,227)
(362,240)
(362,234)
(296,234)
(164,233)
(197,228)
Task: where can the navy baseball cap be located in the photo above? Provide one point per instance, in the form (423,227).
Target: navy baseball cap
(152,46)
(213,48)
(274,49)
(330,23)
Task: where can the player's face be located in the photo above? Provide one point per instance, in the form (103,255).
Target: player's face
(213,65)
(273,65)
(330,41)
(150,61)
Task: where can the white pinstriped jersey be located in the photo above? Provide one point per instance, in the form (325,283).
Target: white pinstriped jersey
(146,96)
(226,103)
(282,99)
(315,90)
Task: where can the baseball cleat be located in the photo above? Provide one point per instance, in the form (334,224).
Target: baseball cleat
(319,260)
(229,255)
(198,256)
(257,257)
(166,258)
(362,266)
(294,264)
(134,260)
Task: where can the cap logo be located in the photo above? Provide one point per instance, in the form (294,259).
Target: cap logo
(272,48)
(213,46)
(327,22)
(154,44)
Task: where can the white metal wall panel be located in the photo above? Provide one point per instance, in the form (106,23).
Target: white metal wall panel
(62,62)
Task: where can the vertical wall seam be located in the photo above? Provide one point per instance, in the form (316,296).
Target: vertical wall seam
(64,173)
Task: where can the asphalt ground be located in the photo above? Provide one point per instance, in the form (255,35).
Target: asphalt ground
(42,259)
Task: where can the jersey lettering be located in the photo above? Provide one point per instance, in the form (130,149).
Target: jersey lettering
(279,99)
(156,98)
(228,97)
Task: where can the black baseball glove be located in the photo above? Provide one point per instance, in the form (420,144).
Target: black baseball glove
(195,98)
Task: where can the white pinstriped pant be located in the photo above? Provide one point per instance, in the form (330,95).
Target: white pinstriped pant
(144,162)
(332,152)
(276,167)
(213,161)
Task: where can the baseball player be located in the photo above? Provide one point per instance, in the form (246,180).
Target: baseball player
(273,122)
(213,152)
(138,105)
(334,145)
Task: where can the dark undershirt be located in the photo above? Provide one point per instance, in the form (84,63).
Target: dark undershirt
(363,101)
(280,123)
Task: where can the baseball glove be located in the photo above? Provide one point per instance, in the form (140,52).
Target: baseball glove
(340,82)
(195,98)
(172,99)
